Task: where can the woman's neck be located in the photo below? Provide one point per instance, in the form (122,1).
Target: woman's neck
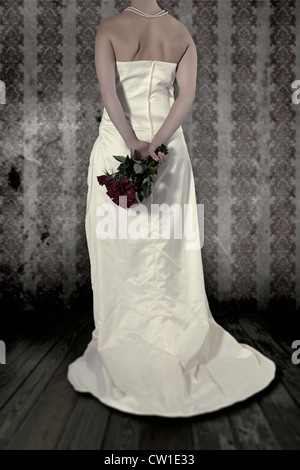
(147,6)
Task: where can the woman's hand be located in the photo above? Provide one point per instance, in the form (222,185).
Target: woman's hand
(140,148)
(160,157)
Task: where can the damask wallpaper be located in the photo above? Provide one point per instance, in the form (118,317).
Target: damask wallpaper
(243,135)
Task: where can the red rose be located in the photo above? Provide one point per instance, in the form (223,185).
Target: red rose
(103,180)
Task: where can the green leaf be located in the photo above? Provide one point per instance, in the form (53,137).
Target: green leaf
(119,158)
(162,148)
(141,195)
(147,189)
(138,169)
(153,178)
(153,171)
(143,168)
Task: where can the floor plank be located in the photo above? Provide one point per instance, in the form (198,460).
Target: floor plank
(48,417)
(159,433)
(14,351)
(251,429)
(213,432)
(284,417)
(267,345)
(30,353)
(122,432)
(22,401)
(87,425)
(276,400)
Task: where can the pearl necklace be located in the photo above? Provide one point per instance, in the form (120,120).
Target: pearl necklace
(146,15)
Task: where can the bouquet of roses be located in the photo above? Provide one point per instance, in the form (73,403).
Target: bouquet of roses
(133,179)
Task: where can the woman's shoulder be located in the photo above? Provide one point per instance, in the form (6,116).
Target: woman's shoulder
(122,20)
(110,23)
(178,27)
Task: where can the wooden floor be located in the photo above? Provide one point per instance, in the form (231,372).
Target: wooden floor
(40,410)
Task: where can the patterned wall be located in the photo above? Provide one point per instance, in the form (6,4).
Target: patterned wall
(243,135)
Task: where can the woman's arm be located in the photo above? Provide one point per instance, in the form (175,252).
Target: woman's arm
(106,73)
(186,78)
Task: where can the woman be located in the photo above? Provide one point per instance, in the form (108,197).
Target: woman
(156,349)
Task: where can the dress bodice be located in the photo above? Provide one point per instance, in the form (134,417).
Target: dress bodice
(146,91)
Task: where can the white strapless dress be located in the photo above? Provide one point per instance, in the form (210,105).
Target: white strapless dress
(155,349)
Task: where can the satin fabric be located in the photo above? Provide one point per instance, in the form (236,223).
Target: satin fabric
(155,349)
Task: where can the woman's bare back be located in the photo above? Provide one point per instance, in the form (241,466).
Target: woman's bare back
(136,38)
(128,37)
